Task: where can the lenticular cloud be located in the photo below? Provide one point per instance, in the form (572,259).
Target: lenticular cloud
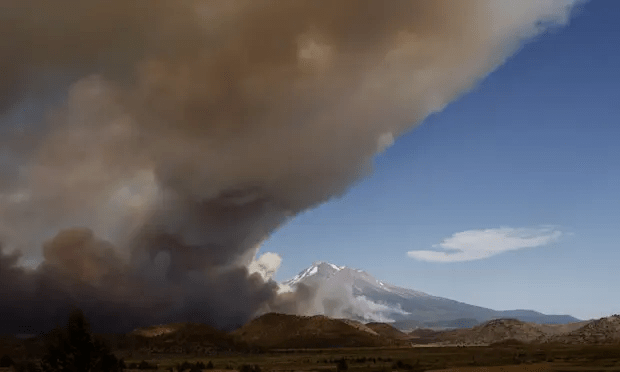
(479,244)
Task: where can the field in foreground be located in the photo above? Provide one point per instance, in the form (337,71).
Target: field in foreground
(286,343)
(471,359)
(504,358)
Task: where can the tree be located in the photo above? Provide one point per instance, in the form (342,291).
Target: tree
(6,361)
(342,365)
(75,349)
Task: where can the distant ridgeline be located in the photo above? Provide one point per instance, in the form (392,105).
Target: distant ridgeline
(364,298)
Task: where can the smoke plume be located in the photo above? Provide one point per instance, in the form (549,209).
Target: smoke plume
(148,147)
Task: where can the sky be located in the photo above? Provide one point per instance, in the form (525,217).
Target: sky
(508,198)
(151,155)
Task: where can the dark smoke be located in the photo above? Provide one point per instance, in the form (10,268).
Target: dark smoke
(188,130)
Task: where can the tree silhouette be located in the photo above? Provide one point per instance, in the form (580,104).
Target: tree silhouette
(6,361)
(75,349)
(342,365)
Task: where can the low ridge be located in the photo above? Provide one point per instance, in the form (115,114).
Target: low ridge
(280,331)
(602,331)
(388,331)
(497,330)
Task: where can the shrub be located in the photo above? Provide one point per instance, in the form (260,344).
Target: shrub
(146,365)
(342,365)
(406,366)
(249,368)
(184,366)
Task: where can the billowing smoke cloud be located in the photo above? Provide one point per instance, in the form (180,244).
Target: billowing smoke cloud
(148,147)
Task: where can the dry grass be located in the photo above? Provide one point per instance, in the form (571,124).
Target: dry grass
(545,367)
(506,358)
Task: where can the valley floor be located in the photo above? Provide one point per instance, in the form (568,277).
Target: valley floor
(467,359)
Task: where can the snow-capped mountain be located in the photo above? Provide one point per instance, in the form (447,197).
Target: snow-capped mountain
(341,275)
(351,293)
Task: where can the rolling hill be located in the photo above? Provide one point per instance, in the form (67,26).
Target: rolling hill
(279,331)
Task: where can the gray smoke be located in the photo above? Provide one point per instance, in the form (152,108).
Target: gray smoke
(148,147)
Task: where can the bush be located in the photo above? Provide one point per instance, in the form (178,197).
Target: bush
(249,368)
(6,361)
(146,365)
(184,366)
(406,366)
(198,367)
(342,365)
(195,368)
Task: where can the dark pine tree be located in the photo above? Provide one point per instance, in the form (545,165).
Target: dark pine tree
(6,361)
(75,349)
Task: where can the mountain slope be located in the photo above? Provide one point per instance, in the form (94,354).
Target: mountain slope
(343,292)
(387,331)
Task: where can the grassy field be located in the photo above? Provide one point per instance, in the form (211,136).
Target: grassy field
(504,358)
(479,359)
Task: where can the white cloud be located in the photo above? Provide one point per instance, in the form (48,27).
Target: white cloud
(479,244)
(266,265)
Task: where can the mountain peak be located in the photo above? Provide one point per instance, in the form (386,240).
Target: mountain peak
(327,266)
(322,268)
